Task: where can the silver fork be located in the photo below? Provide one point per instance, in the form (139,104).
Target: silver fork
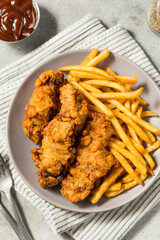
(6,184)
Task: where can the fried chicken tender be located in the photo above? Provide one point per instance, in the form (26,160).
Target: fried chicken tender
(92,159)
(44,100)
(58,151)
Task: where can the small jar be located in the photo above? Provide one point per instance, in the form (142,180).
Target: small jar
(154,16)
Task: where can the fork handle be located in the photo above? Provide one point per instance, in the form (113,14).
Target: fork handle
(9,218)
(22,230)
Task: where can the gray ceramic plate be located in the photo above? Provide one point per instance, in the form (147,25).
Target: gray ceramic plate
(20,146)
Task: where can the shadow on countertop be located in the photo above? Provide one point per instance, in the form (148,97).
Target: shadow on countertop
(47,28)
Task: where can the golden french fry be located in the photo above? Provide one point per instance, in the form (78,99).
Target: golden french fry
(148,114)
(127,104)
(110,71)
(142,102)
(114,187)
(126,165)
(133,134)
(95,101)
(153,147)
(137,163)
(128,86)
(120,143)
(90,88)
(106,183)
(91,56)
(100,57)
(87,75)
(139,111)
(111,84)
(139,131)
(150,135)
(124,79)
(135,118)
(138,146)
(119,95)
(127,179)
(113,194)
(93,70)
(134,106)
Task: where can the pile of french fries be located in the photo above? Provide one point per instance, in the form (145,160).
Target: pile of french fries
(111,94)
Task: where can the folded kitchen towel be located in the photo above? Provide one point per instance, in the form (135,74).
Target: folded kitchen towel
(86,33)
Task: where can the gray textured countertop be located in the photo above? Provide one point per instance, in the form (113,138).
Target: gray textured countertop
(55,16)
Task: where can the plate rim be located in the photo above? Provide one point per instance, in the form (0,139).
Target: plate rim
(82,210)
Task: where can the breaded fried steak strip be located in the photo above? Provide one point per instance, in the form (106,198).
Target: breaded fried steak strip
(45,99)
(92,159)
(58,151)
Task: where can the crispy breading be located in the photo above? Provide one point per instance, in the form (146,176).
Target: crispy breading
(58,151)
(92,159)
(44,100)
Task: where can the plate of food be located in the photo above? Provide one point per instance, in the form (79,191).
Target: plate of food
(83,130)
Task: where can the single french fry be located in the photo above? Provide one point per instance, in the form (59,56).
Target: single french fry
(87,75)
(114,187)
(127,179)
(149,160)
(133,134)
(106,183)
(90,88)
(95,101)
(110,71)
(150,135)
(113,194)
(126,165)
(119,95)
(131,131)
(140,121)
(128,86)
(125,79)
(137,163)
(120,143)
(100,57)
(127,104)
(111,84)
(142,102)
(138,146)
(139,131)
(153,147)
(134,106)
(139,111)
(148,114)
(93,70)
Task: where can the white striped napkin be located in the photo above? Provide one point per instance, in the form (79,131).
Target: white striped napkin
(86,33)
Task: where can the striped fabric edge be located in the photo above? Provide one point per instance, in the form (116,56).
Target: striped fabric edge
(114,39)
(88,27)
